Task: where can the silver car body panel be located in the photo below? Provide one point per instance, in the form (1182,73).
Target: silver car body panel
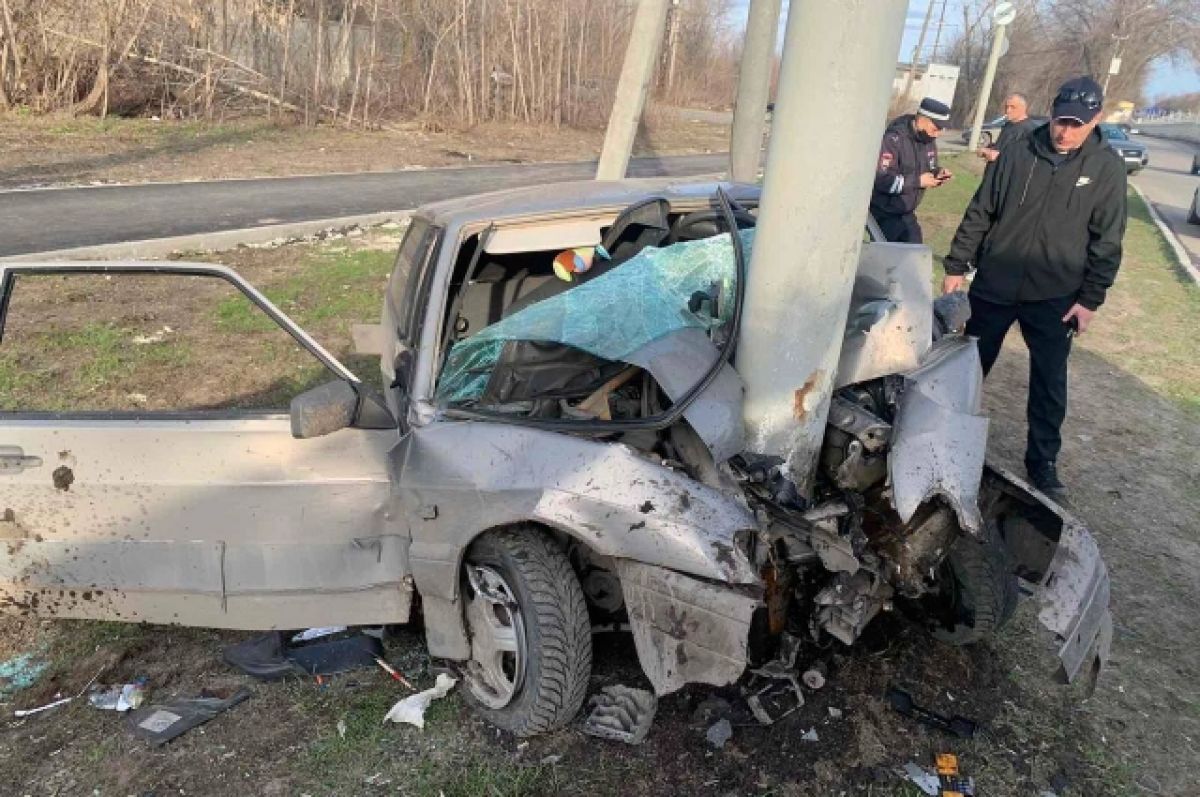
(619,502)
(677,361)
(229,523)
(686,630)
(1071,579)
(209,518)
(890,324)
(939,437)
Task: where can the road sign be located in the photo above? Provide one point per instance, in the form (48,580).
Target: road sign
(1004,13)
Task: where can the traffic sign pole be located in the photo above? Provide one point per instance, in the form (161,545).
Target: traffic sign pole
(1002,17)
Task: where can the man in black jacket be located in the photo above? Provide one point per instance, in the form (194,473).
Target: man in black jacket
(1017,125)
(908,164)
(1044,232)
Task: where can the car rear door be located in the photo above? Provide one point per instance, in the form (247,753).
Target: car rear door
(148,470)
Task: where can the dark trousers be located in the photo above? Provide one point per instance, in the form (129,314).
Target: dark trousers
(1046,337)
(900,229)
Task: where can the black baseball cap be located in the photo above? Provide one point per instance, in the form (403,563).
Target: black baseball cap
(936,111)
(1080,99)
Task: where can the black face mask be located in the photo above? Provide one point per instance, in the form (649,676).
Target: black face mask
(921,135)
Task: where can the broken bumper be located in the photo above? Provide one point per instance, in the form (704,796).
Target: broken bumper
(1055,551)
(686,630)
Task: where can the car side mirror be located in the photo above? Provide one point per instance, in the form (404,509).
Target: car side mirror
(323,410)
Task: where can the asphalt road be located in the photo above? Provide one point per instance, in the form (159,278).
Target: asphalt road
(1169,184)
(41,220)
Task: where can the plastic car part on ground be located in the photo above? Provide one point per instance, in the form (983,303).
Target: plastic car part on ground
(412,708)
(271,656)
(649,293)
(622,713)
(161,722)
(903,703)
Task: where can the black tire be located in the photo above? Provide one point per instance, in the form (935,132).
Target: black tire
(978,590)
(557,630)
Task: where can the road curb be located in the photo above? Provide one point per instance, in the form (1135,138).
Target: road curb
(1181,254)
(157,248)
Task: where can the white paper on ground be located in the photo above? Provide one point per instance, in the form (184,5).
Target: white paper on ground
(412,708)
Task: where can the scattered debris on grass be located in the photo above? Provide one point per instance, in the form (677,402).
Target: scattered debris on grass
(59,700)
(412,708)
(621,713)
(20,672)
(903,703)
(119,698)
(922,778)
(720,733)
(270,657)
(162,722)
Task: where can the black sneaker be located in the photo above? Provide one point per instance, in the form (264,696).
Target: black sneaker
(1044,476)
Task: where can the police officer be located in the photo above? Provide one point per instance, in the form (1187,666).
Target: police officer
(908,164)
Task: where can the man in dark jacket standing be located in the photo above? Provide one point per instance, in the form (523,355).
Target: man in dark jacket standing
(908,164)
(1017,125)
(1044,232)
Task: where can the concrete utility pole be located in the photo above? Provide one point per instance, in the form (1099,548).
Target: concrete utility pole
(1002,17)
(672,45)
(937,37)
(637,75)
(841,54)
(754,89)
(1114,63)
(916,54)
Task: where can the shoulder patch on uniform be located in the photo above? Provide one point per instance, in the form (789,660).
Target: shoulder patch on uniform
(894,135)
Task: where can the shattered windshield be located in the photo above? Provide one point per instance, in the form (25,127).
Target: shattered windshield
(651,295)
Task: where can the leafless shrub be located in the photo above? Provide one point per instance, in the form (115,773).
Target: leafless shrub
(352,62)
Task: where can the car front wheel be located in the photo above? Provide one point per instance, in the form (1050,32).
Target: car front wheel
(977,590)
(531,643)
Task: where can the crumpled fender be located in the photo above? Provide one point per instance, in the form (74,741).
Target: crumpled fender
(939,437)
(1056,552)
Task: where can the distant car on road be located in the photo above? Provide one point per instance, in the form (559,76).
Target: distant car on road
(991,130)
(1135,155)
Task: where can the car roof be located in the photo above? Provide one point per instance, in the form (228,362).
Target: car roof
(579,195)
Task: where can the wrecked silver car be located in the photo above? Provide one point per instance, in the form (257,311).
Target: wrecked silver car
(559,446)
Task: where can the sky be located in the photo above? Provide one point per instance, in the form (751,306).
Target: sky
(1165,79)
